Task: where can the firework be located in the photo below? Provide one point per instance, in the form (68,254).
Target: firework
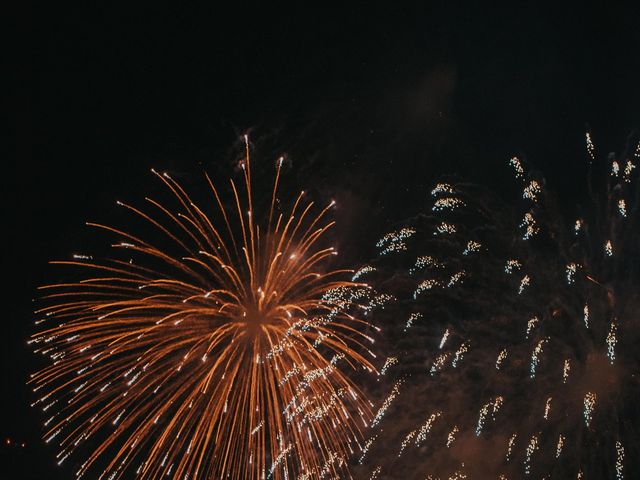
(535,374)
(218,346)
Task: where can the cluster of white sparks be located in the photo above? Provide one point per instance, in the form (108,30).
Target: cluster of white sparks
(412,318)
(589,406)
(395,241)
(439,274)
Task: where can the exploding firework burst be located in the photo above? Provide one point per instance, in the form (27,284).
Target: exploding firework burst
(218,346)
(513,347)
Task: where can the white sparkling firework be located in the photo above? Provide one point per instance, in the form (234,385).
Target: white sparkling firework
(395,391)
(619,460)
(615,168)
(438,363)
(426,428)
(472,247)
(628,169)
(512,265)
(590,146)
(395,241)
(622,207)
(456,279)
(445,335)
(445,228)
(459,355)
(501,357)
(366,448)
(375,473)
(529,225)
(390,361)
(585,315)
(407,441)
(425,261)
(611,342)
(447,203)
(530,325)
(531,448)
(571,270)
(589,406)
(535,357)
(547,408)
(608,248)
(559,445)
(532,191)
(452,435)
(491,407)
(424,286)
(442,188)
(412,318)
(362,271)
(565,370)
(517,166)
(510,444)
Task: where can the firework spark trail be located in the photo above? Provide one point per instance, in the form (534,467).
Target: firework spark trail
(220,346)
(545,318)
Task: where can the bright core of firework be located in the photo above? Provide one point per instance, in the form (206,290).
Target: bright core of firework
(219,347)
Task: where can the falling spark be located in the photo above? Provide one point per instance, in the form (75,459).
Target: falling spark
(589,405)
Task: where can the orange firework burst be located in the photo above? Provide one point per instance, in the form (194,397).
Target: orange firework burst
(221,361)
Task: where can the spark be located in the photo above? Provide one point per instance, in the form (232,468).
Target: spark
(362,271)
(425,286)
(445,228)
(589,405)
(517,166)
(547,408)
(530,325)
(452,435)
(512,265)
(472,247)
(442,188)
(608,248)
(529,225)
(590,147)
(491,407)
(585,315)
(426,428)
(395,391)
(425,261)
(535,357)
(565,370)
(395,241)
(532,191)
(559,445)
(447,203)
(531,448)
(611,342)
(619,460)
(510,444)
(622,207)
(459,355)
(571,272)
(501,356)
(387,364)
(445,335)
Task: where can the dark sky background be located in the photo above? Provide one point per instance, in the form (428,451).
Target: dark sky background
(371,105)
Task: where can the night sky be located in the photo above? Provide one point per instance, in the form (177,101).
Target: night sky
(370,104)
